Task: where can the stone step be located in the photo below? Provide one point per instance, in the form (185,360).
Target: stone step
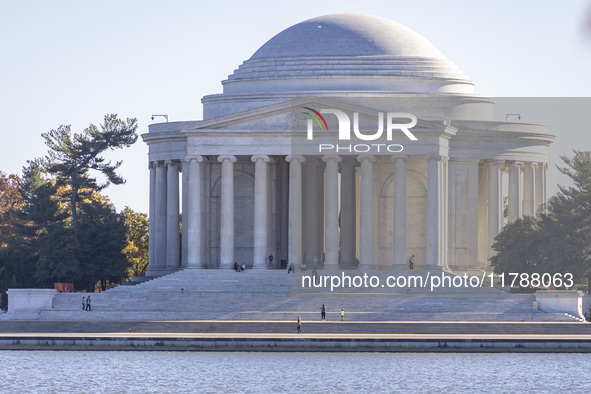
(309,327)
(262,294)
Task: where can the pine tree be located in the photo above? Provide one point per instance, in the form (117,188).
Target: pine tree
(72,156)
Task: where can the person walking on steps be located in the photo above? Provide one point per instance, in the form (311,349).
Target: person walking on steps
(323,313)
(299,325)
(83,303)
(88,308)
(342,314)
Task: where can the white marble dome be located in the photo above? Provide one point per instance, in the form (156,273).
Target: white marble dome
(348,35)
(348,52)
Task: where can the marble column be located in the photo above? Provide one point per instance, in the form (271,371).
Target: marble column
(482,217)
(184,209)
(515,192)
(331,233)
(444,212)
(205,212)
(295,209)
(227,212)
(399,230)
(348,214)
(193,217)
(471,196)
(311,204)
(285,181)
(320,187)
(160,220)
(260,211)
(433,227)
(152,219)
(367,208)
(529,190)
(173,240)
(495,212)
(540,198)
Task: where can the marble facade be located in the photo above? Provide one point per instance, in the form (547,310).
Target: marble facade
(248,187)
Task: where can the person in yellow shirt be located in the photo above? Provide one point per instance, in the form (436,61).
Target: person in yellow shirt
(342,314)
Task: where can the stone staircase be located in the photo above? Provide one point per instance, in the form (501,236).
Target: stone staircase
(274,295)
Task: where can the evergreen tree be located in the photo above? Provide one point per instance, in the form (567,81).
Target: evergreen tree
(71,156)
(518,247)
(102,241)
(33,218)
(568,222)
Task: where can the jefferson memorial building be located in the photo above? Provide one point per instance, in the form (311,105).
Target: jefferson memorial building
(287,161)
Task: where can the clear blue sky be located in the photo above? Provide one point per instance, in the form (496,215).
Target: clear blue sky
(72,62)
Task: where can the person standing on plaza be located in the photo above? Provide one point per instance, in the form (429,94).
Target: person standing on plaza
(323,313)
(342,314)
(88,308)
(411,262)
(299,325)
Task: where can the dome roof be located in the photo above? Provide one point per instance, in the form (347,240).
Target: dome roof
(347,52)
(348,35)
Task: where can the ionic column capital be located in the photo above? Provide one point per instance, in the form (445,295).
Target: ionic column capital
(197,158)
(291,158)
(152,164)
(366,158)
(399,157)
(231,158)
(172,163)
(264,158)
(327,158)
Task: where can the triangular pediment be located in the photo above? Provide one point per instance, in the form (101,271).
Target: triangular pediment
(288,115)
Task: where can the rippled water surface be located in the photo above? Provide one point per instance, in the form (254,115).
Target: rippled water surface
(160,372)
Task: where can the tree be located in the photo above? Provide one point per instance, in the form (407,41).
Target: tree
(57,260)
(71,156)
(137,250)
(518,247)
(568,222)
(33,218)
(102,241)
(9,202)
(558,241)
